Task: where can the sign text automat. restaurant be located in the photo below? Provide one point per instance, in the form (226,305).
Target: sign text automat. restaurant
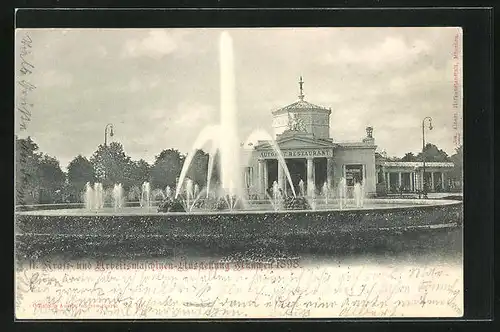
(299,153)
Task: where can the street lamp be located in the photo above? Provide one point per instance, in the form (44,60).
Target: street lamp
(110,126)
(424,189)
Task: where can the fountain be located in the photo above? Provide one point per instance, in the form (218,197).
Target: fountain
(118,196)
(98,196)
(93,196)
(228,147)
(211,161)
(301,188)
(342,188)
(269,221)
(168,192)
(196,191)
(266,137)
(276,196)
(358,194)
(88,197)
(145,201)
(324,192)
(189,193)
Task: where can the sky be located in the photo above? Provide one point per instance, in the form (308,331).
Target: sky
(160,87)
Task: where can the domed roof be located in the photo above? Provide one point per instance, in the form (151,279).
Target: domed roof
(301,105)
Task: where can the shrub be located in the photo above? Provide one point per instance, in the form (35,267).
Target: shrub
(171,205)
(296,203)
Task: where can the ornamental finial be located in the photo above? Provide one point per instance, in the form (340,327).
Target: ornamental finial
(301,82)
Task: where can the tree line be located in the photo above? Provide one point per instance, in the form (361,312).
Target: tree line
(40,179)
(431,153)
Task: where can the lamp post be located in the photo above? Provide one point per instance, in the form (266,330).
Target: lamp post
(424,189)
(110,126)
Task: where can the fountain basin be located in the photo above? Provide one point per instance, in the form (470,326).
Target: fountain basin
(106,233)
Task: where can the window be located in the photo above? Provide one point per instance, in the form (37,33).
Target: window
(353,174)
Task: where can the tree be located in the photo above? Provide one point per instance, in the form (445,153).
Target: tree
(80,171)
(215,178)
(51,180)
(166,169)
(198,170)
(27,161)
(432,153)
(409,156)
(134,194)
(138,173)
(111,165)
(457,159)
(39,178)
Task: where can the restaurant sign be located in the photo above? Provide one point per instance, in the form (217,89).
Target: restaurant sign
(299,153)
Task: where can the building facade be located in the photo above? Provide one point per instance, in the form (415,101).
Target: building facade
(303,143)
(397,176)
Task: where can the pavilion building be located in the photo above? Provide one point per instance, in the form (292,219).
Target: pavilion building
(302,133)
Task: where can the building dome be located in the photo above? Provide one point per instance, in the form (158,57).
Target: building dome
(302,106)
(302,116)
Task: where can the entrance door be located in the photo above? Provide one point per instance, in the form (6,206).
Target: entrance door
(319,173)
(297,169)
(272,172)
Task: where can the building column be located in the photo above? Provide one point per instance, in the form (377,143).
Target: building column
(266,180)
(262,186)
(329,173)
(412,181)
(432,181)
(421,182)
(442,181)
(281,173)
(389,181)
(310,176)
(285,180)
(400,179)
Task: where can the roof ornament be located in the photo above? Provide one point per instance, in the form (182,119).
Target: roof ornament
(295,123)
(301,82)
(369,132)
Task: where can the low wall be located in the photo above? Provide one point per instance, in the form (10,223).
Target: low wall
(108,235)
(241,224)
(63,206)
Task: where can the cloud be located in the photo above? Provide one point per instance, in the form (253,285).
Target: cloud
(391,50)
(156,44)
(192,114)
(425,77)
(346,123)
(161,87)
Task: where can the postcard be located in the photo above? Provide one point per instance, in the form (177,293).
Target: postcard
(209,173)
